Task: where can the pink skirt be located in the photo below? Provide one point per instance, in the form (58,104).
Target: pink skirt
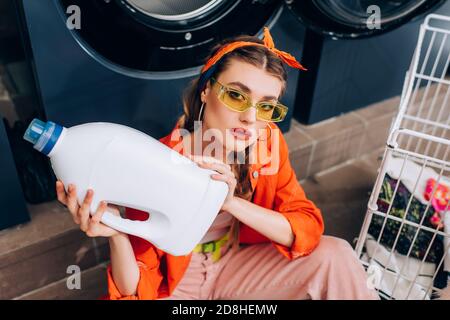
(259,271)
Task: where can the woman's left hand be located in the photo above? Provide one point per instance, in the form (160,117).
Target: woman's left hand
(224,173)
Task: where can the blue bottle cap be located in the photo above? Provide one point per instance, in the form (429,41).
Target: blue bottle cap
(43,135)
(34,131)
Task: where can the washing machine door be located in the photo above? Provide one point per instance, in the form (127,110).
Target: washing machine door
(164,35)
(358,18)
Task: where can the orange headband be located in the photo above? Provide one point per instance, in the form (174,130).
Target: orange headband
(268,43)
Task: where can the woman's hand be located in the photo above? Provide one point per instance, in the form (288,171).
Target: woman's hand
(224,174)
(92,226)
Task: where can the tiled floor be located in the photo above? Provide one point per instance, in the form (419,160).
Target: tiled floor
(342,194)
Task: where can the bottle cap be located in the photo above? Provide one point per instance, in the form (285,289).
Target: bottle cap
(34,131)
(43,135)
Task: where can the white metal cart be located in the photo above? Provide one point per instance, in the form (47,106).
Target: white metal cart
(404,242)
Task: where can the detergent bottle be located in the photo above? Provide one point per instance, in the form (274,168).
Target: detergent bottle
(128,168)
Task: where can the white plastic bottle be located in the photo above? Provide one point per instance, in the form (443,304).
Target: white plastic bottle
(129,168)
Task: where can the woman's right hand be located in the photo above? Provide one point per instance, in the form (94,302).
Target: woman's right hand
(92,226)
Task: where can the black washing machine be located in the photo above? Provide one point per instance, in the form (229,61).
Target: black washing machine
(353,63)
(128,63)
(130,60)
(12,201)
(13,207)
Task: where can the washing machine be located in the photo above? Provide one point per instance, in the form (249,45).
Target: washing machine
(353,59)
(128,61)
(14,210)
(13,206)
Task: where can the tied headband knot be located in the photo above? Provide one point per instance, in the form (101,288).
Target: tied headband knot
(268,43)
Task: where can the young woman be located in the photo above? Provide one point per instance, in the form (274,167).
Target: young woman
(266,242)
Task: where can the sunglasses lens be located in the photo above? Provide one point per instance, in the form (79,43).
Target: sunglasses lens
(237,101)
(271,112)
(234,99)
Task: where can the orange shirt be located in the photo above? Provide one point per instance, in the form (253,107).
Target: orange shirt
(275,188)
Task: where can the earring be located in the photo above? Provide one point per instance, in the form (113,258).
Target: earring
(200,113)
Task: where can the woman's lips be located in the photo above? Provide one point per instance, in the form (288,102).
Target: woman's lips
(241,133)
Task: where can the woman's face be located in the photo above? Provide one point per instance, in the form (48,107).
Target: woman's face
(258,85)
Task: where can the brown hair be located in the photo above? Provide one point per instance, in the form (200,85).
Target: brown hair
(258,56)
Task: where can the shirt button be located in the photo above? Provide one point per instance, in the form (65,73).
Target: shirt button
(255,174)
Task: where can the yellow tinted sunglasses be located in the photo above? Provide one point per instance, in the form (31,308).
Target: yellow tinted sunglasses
(239,101)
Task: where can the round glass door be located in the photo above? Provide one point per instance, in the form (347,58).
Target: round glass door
(349,18)
(165,35)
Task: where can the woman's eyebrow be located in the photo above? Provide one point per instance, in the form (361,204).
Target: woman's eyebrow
(247,89)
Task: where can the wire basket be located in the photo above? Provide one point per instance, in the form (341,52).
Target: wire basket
(405,238)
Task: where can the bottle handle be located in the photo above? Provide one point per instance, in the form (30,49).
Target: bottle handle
(150,229)
(114,221)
